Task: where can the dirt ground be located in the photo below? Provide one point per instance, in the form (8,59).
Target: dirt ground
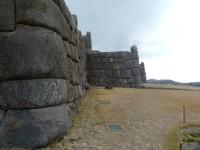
(150,118)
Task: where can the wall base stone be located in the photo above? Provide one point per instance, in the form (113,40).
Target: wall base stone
(34,127)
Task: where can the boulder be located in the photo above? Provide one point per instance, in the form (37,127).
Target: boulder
(7,15)
(35,127)
(37,93)
(32,53)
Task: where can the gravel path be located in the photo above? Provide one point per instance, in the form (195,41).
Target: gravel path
(148,117)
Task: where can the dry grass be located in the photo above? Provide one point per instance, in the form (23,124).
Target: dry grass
(151,117)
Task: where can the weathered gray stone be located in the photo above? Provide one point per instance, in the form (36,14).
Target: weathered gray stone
(112,81)
(74,53)
(88,42)
(38,93)
(60,4)
(136,71)
(68,49)
(136,63)
(122,54)
(134,48)
(76,75)
(109,73)
(29,12)
(32,52)
(102,72)
(2,113)
(124,82)
(70,92)
(116,60)
(138,80)
(92,79)
(75,19)
(126,73)
(115,66)
(7,15)
(129,64)
(103,66)
(103,79)
(35,127)
(116,73)
(131,80)
(109,54)
(104,60)
(103,54)
(135,55)
(96,54)
(121,65)
(92,66)
(129,55)
(95,73)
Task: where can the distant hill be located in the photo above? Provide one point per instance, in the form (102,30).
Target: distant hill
(194,84)
(165,81)
(168,81)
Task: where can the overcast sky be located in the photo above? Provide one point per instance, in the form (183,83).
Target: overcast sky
(166,32)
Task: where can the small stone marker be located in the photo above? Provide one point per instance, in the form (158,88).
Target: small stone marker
(114,128)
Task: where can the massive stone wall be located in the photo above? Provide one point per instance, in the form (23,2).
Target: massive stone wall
(42,71)
(143,72)
(120,69)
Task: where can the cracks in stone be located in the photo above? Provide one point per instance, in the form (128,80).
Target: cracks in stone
(1,119)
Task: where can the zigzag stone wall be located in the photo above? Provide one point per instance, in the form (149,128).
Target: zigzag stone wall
(42,71)
(121,69)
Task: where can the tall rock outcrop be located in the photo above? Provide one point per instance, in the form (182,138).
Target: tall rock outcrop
(42,71)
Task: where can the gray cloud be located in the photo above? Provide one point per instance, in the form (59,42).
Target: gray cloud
(117,24)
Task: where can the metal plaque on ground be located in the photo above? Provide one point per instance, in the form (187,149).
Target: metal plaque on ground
(112,127)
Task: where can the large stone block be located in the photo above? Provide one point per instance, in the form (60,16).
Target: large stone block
(136,71)
(44,13)
(129,64)
(138,80)
(136,63)
(122,54)
(60,4)
(38,93)
(126,73)
(92,79)
(35,127)
(2,113)
(103,66)
(131,80)
(91,66)
(109,73)
(70,92)
(7,15)
(68,49)
(115,66)
(95,73)
(116,73)
(32,53)
(129,55)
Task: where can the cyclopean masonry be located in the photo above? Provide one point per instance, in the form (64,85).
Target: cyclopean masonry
(43,71)
(119,69)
